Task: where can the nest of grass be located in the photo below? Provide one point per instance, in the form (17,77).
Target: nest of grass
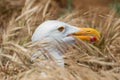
(83,61)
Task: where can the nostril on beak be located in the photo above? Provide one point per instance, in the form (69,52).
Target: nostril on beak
(88,31)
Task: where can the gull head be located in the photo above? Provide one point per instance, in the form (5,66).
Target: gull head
(55,30)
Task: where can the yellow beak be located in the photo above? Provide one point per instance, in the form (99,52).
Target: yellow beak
(89,34)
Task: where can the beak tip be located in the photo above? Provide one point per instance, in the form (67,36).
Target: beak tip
(94,38)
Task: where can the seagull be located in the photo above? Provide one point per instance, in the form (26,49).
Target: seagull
(52,30)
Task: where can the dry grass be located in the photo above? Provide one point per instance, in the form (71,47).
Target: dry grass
(83,61)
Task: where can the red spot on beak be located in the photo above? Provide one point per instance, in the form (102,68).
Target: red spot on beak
(93,39)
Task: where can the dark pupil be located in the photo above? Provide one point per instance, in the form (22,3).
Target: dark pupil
(61,29)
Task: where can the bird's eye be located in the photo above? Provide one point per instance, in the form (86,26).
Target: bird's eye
(61,28)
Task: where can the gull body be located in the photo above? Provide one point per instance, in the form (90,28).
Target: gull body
(53,30)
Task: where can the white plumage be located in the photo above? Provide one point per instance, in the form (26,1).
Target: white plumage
(49,30)
(53,30)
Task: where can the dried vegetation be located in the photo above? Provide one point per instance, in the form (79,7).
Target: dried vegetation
(83,61)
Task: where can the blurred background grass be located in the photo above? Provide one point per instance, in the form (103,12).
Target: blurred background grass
(14,7)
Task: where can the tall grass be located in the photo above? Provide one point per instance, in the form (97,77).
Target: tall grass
(83,61)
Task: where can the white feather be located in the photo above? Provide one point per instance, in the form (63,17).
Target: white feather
(48,30)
